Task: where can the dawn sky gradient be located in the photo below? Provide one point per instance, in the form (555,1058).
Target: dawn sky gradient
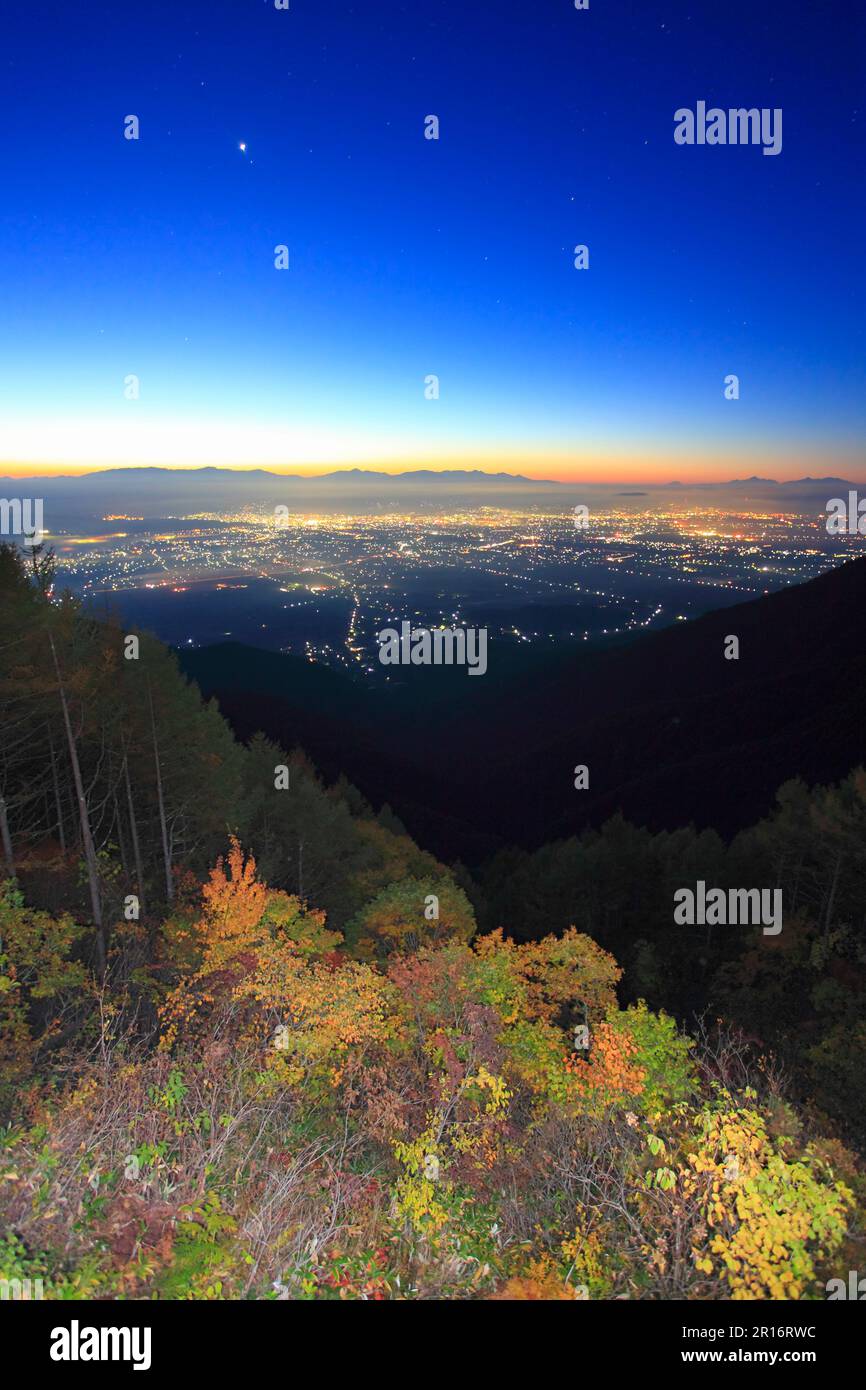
(412,257)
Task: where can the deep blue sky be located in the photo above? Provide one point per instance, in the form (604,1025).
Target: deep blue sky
(411,257)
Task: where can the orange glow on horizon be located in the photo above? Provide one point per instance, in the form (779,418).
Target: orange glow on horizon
(625,469)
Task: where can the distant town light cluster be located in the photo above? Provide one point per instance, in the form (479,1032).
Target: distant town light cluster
(333,582)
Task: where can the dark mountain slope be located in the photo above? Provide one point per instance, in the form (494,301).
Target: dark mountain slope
(670,730)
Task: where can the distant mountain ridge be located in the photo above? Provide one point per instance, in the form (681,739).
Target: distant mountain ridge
(211,473)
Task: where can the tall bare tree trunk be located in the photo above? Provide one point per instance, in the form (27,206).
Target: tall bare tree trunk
(61,834)
(121,841)
(169,886)
(136,848)
(7,838)
(86,836)
(831,901)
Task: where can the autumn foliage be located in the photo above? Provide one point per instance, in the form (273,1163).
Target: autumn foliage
(427,1125)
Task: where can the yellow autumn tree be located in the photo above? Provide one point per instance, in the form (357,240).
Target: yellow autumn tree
(270,970)
(768,1220)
